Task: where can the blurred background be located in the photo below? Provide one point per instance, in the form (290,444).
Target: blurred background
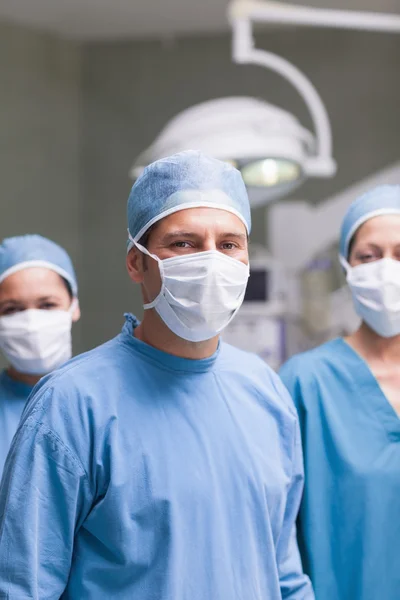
(88,85)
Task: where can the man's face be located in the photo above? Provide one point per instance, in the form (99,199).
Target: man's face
(186,232)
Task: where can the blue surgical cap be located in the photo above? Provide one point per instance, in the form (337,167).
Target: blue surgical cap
(382,200)
(189,179)
(21,252)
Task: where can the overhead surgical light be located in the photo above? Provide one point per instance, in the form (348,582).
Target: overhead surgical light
(266,143)
(273,151)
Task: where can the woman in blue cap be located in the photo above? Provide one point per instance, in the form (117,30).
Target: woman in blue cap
(347,394)
(38,303)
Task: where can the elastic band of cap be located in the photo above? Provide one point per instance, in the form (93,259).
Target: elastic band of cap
(376,213)
(44,264)
(198,204)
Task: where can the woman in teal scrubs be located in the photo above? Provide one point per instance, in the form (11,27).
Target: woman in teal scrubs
(38,303)
(347,393)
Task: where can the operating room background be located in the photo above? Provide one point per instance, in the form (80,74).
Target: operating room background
(74,116)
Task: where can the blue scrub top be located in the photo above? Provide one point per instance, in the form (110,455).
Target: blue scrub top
(140,475)
(13,396)
(349,526)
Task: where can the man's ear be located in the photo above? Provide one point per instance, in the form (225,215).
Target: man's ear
(135,264)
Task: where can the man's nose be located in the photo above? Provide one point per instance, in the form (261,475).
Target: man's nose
(210,244)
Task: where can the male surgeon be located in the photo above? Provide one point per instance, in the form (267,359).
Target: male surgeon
(163,465)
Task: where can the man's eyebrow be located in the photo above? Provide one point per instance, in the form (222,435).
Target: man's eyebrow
(192,234)
(174,234)
(238,236)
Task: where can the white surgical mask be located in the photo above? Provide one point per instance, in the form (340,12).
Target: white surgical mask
(200,293)
(375,287)
(37,341)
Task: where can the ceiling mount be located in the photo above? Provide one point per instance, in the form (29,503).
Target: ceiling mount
(273,151)
(281,13)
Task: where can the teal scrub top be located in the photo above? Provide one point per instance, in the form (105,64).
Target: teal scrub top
(349,525)
(13,396)
(136,474)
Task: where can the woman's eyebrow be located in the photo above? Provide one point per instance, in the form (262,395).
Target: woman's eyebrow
(364,245)
(48,297)
(10,301)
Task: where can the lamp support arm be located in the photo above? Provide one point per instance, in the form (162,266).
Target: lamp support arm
(244,12)
(270,11)
(244,52)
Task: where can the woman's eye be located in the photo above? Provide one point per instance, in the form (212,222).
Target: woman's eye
(367,256)
(9,311)
(48,306)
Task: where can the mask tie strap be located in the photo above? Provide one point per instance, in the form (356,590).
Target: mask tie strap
(144,250)
(74,305)
(344,264)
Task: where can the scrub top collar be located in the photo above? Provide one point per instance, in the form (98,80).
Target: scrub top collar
(163,359)
(17,388)
(372,396)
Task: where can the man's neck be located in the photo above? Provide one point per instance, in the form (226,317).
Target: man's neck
(153,331)
(372,346)
(23,377)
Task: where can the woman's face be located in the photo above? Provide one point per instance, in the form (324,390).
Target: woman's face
(35,287)
(376,239)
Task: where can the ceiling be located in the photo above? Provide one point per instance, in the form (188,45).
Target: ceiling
(111,19)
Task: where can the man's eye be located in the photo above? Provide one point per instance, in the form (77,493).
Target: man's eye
(228,246)
(181,244)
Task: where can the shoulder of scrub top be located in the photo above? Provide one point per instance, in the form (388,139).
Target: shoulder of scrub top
(258,374)
(302,371)
(71,383)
